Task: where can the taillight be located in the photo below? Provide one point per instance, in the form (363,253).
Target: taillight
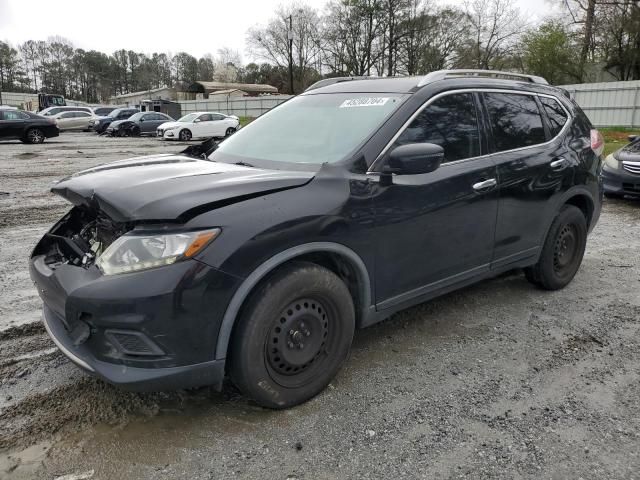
(597,142)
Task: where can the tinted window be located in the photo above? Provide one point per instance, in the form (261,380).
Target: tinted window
(13,115)
(555,113)
(82,114)
(67,115)
(206,117)
(515,120)
(450,122)
(217,117)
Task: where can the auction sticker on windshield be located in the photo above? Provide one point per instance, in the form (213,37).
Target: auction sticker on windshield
(364,102)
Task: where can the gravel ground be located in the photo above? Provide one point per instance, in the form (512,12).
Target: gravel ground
(499,380)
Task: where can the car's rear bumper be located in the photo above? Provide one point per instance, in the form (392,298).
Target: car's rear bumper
(620,182)
(132,378)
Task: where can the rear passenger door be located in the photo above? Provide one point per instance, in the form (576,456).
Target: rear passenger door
(437,229)
(12,123)
(533,167)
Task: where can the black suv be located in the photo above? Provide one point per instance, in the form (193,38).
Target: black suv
(331,212)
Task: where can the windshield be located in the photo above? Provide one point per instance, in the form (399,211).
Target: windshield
(310,129)
(136,116)
(188,118)
(56,100)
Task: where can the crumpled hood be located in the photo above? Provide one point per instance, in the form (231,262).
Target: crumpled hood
(117,123)
(170,187)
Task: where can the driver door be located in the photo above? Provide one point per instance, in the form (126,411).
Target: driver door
(437,229)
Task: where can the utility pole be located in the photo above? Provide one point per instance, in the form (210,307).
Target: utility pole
(290,35)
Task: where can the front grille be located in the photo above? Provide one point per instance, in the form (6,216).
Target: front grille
(132,343)
(632,167)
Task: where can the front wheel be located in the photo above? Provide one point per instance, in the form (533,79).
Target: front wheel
(185,135)
(230,131)
(293,336)
(562,251)
(34,135)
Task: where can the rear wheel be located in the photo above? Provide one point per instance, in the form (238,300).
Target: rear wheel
(562,251)
(34,135)
(184,135)
(293,336)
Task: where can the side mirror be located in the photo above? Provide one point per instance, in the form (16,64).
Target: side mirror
(633,138)
(196,120)
(415,158)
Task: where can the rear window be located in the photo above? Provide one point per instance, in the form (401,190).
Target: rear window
(515,120)
(555,113)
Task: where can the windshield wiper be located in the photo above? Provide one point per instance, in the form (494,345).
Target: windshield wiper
(243,164)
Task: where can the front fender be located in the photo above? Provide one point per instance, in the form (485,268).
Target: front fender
(247,286)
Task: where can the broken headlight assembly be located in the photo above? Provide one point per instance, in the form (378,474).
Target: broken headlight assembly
(133,252)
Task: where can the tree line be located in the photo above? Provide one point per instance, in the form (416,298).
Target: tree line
(356,37)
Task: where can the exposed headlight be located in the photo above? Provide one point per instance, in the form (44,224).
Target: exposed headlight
(611,162)
(134,252)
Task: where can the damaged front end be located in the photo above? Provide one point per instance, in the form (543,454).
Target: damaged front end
(79,238)
(109,309)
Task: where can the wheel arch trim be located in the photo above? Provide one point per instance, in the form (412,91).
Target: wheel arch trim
(249,283)
(576,191)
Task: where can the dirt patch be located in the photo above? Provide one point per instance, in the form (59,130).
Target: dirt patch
(500,380)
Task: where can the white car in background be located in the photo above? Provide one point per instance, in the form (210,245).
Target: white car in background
(199,125)
(73,120)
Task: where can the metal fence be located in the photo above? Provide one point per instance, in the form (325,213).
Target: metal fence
(242,107)
(609,104)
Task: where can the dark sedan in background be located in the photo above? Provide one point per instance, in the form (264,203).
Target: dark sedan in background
(141,123)
(621,171)
(26,126)
(101,124)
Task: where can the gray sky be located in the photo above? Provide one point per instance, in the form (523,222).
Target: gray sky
(194,26)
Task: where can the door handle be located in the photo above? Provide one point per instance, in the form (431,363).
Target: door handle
(558,162)
(485,185)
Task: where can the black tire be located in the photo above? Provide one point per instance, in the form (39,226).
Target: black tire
(185,135)
(293,336)
(34,136)
(230,131)
(562,251)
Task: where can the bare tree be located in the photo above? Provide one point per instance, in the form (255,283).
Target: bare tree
(271,41)
(351,32)
(495,26)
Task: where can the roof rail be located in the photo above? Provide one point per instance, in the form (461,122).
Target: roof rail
(444,74)
(331,81)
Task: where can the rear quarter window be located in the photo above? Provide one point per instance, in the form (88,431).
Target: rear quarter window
(515,120)
(556,115)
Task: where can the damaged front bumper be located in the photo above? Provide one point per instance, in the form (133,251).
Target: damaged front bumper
(149,330)
(127,377)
